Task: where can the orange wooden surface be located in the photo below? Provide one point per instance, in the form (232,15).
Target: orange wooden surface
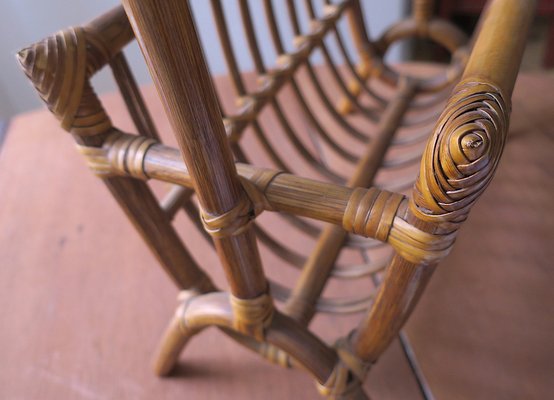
(83,303)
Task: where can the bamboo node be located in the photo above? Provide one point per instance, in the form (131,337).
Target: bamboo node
(252,316)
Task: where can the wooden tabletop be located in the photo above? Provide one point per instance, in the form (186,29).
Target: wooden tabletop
(83,303)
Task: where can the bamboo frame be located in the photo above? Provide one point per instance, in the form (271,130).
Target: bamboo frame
(457,164)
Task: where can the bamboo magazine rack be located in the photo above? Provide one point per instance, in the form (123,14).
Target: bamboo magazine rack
(344,181)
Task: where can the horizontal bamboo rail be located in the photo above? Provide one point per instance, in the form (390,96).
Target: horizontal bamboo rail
(323,201)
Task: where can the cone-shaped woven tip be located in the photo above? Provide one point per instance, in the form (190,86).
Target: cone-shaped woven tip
(25,56)
(33,60)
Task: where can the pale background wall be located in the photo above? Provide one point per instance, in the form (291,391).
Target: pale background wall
(25,21)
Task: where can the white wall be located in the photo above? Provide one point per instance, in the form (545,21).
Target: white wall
(26,21)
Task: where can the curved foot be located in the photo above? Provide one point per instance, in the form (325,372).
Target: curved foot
(174,339)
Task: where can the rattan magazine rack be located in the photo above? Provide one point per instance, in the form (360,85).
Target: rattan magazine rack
(369,118)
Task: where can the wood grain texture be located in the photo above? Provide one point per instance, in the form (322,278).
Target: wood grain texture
(182,78)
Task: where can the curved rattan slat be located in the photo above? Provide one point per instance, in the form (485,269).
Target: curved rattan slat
(274,103)
(299,95)
(369,113)
(328,305)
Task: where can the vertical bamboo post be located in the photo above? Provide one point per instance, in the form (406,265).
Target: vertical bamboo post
(171,47)
(474,123)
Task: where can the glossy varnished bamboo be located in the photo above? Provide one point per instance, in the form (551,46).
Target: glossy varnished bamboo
(287,193)
(458,163)
(181,78)
(496,54)
(404,281)
(209,161)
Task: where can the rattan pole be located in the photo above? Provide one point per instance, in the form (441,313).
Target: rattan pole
(484,95)
(225,42)
(422,10)
(287,193)
(170,44)
(358,28)
(141,207)
(240,90)
(329,62)
(176,198)
(283,192)
(497,52)
(113,29)
(366,52)
(132,97)
(359,82)
(259,64)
